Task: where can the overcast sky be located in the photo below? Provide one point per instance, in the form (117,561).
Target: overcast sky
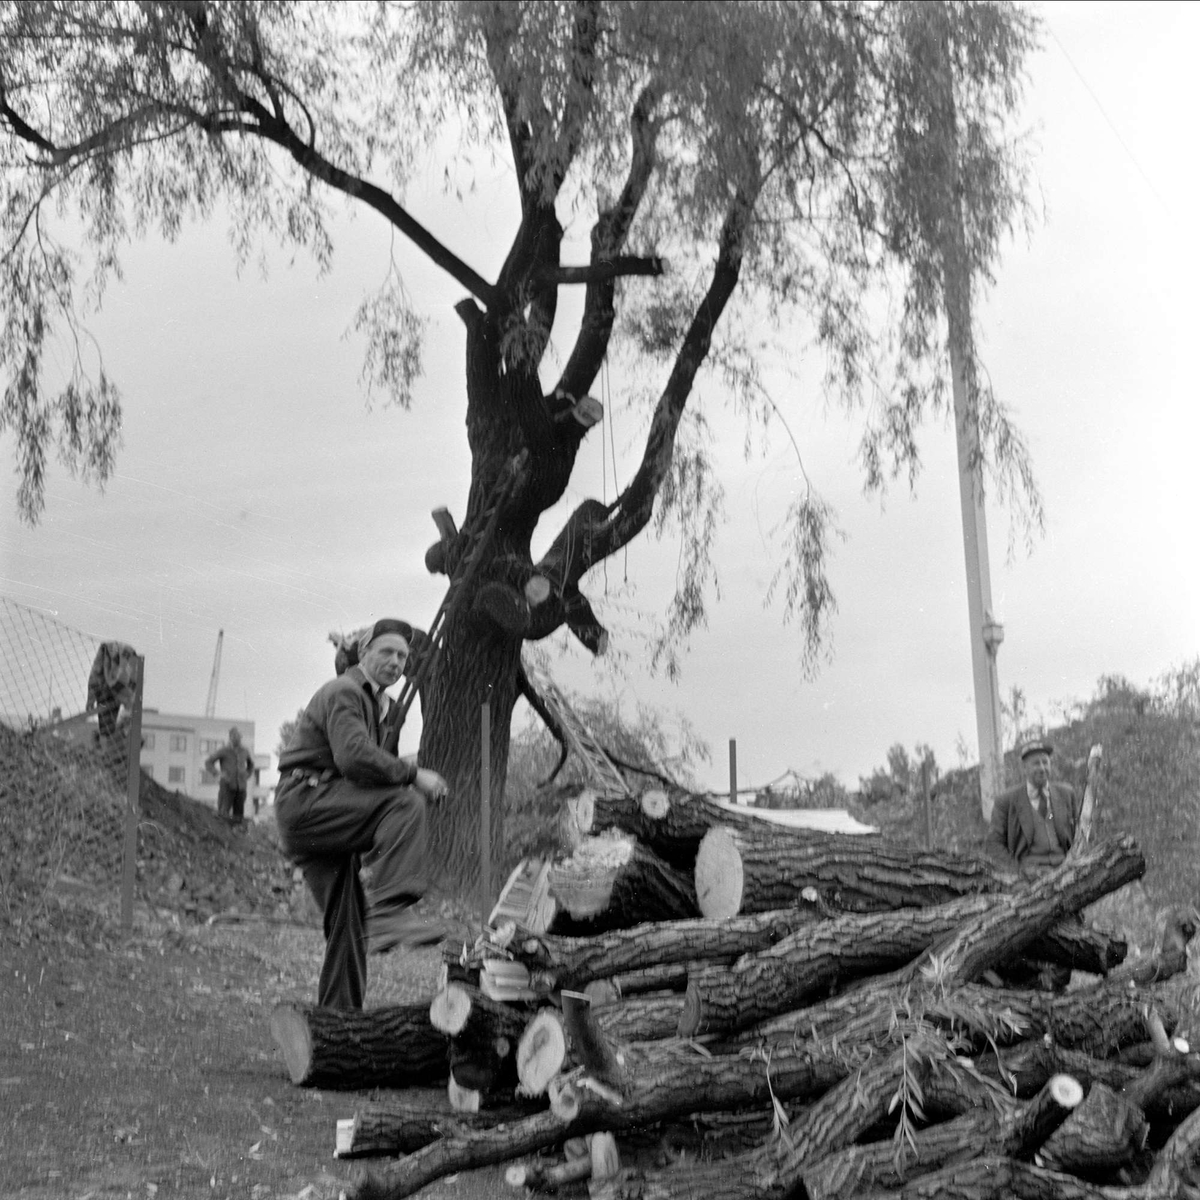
(256,490)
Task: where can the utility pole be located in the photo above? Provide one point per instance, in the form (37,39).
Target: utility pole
(986,632)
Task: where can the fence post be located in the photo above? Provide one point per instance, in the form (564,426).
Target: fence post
(485,811)
(928,805)
(733,770)
(133,790)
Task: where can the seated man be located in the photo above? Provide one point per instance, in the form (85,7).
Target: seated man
(341,794)
(1033,825)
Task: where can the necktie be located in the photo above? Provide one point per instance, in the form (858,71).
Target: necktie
(1043,806)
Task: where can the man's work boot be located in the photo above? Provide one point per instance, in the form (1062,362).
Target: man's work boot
(405,928)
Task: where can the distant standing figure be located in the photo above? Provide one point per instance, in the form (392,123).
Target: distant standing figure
(111,683)
(237,765)
(1033,825)
(343,793)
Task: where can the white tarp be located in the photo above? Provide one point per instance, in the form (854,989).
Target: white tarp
(824,820)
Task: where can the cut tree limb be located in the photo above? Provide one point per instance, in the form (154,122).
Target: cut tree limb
(575,961)
(380,1047)
(1011,1130)
(753,870)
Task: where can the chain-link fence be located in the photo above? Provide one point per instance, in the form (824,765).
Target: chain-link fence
(65,696)
(44,667)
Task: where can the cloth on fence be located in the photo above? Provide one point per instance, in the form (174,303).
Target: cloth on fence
(112,682)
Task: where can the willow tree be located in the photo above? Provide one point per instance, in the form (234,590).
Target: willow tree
(729,163)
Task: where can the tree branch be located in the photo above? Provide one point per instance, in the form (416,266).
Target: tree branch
(594,531)
(272,129)
(600,272)
(608,237)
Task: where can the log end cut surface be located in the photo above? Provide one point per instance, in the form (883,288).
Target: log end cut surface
(290,1031)
(719,876)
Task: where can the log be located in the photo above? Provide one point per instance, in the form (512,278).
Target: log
(575,961)
(589,1043)
(1102,1134)
(541,1051)
(774,1170)
(548,1177)
(399,1127)
(1014,1131)
(613,883)
(666,1080)
(462,1011)
(673,822)
(781,978)
(753,870)
(343,1048)
(1007,925)
(646,1018)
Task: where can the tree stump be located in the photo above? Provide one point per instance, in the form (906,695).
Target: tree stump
(613,883)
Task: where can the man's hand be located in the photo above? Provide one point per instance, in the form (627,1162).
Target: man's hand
(430,783)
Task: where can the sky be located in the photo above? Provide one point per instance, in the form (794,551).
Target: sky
(259,491)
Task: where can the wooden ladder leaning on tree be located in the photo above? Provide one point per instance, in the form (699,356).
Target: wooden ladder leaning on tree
(460,580)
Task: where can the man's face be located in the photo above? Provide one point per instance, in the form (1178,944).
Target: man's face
(384,658)
(1037,769)
(235,738)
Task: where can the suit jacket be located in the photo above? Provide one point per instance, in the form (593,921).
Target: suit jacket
(1010,836)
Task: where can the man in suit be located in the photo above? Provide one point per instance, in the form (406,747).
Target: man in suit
(344,793)
(1033,825)
(1032,828)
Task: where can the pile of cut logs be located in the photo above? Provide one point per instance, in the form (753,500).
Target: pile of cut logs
(741,1009)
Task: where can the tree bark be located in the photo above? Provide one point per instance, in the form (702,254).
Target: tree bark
(774,1170)
(1103,1133)
(781,978)
(676,822)
(753,870)
(666,1081)
(576,962)
(1011,1130)
(379,1047)
(396,1127)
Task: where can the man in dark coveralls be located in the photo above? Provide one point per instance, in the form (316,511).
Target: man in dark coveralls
(343,792)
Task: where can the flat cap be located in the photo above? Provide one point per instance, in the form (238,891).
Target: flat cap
(1036,746)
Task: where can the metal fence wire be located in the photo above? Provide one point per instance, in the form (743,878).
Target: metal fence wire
(44,667)
(62,784)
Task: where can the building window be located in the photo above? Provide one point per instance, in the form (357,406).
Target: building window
(179,742)
(147,741)
(207,776)
(175,774)
(209,745)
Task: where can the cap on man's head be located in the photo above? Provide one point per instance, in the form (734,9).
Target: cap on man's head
(382,626)
(1036,746)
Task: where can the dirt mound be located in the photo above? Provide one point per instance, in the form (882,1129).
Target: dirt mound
(62,821)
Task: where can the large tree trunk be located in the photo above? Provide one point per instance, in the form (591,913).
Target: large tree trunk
(476,663)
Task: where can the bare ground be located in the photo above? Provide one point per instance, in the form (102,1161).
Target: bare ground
(142,1065)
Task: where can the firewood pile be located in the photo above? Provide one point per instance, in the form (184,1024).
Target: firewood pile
(695,1003)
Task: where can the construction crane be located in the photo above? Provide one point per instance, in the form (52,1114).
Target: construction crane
(210,706)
